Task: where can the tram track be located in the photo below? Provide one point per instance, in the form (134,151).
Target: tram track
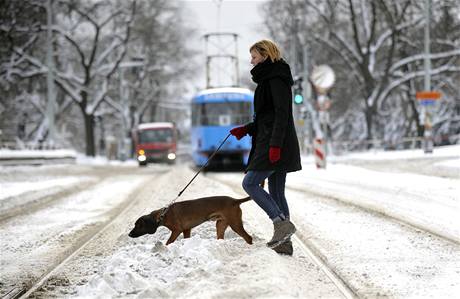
(312,247)
(373,209)
(392,216)
(39,202)
(345,257)
(29,289)
(314,254)
(318,259)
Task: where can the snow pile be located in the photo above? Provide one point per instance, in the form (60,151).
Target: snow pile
(438,152)
(198,267)
(150,270)
(102,160)
(18,154)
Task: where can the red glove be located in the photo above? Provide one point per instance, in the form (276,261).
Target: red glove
(274,154)
(239,132)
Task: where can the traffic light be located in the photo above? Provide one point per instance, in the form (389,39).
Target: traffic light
(298,91)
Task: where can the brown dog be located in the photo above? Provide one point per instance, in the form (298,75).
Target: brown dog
(182,216)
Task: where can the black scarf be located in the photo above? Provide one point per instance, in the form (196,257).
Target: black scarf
(268,69)
(261,70)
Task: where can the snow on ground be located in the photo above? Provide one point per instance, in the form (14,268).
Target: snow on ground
(202,266)
(428,201)
(378,256)
(32,242)
(453,163)
(16,154)
(431,202)
(102,160)
(370,251)
(16,188)
(438,152)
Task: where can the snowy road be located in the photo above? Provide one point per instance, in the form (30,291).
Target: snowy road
(385,233)
(66,211)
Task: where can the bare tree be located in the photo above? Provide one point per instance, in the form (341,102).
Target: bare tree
(91,38)
(373,48)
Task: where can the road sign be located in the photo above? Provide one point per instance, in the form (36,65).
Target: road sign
(428,95)
(427,102)
(427,98)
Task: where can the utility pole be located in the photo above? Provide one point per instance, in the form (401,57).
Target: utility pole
(428,134)
(50,75)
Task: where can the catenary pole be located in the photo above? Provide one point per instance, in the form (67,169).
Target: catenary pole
(427,135)
(50,75)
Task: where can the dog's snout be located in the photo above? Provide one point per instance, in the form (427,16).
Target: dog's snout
(133,234)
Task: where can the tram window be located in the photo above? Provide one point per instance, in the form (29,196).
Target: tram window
(196,114)
(210,114)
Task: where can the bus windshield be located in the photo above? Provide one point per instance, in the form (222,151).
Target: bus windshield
(221,114)
(157,135)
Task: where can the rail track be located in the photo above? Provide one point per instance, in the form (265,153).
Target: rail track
(315,256)
(38,202)
(28,289)
(303,243)
(393,216)
(321,250)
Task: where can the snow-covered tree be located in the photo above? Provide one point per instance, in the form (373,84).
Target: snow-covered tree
(114,60)
(376,48)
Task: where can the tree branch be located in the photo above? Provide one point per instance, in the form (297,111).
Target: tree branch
(410,76)
(355,28)
(414,58)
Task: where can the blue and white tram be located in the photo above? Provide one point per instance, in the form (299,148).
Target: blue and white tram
(214,112)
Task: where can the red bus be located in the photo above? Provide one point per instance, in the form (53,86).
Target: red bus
(155,142)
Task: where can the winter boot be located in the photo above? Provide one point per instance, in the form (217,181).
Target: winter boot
(284,248)
(282,231)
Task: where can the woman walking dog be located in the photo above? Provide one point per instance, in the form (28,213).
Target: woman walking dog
(275,148)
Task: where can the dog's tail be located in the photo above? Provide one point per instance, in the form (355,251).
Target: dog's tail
(240,201)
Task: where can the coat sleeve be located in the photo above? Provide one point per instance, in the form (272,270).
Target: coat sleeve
(250,127)
(281,101)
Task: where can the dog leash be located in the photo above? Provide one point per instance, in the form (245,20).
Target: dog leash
(163,212)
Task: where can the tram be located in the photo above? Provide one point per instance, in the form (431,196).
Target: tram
(214,112)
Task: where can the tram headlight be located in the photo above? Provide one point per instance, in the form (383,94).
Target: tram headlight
(171,156)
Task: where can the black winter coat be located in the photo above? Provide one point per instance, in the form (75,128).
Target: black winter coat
(273,123)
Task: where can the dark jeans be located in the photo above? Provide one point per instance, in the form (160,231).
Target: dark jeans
(274,204)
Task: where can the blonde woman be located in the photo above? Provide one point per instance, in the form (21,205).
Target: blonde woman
(275,148)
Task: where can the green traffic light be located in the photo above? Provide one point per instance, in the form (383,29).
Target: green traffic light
(298,99)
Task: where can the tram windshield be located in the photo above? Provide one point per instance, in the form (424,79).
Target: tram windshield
(221,114)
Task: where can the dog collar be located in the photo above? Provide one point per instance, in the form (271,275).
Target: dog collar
(162,215)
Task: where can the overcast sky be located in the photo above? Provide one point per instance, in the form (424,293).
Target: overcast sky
(237,16)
